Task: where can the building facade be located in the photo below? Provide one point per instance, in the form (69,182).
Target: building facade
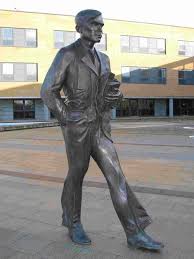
(153,62)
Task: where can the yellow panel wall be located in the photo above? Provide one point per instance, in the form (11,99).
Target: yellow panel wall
(45,52)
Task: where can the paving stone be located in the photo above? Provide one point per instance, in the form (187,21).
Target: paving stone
(19,255)
(49,217)
(100,255)
(45,231)
(30,244)
(108,245)
(3,215)
(66,250)
(8,236)
(22,211)
(14,223)
(170,254)
(6,252)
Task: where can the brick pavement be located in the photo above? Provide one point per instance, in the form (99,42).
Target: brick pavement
(30,224)
(30,211)
(149,156)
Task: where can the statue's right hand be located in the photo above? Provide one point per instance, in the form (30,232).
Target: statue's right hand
(66,100)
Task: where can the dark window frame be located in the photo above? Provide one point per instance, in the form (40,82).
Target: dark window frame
(135,107)
(183,106)
(183,79)
(24,111)
(139,77)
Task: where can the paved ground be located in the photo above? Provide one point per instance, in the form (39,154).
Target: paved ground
(30,224)
(154,155)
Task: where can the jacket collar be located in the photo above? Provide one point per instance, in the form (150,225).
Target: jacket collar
(103,64)
(83,54)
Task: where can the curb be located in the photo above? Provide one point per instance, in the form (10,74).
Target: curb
(28,126)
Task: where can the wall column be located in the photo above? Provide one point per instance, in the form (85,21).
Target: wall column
(171,108)
(46,113)
(113,114)
(6,110)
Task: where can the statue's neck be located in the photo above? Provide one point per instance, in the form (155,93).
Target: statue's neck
(87,44)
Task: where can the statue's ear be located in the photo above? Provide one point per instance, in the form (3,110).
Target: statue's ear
(78,28)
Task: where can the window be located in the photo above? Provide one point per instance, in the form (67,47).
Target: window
(24,109)
(186,77)
(102,45)
(18,37)
(133,44)
(146,107)
(30,38)
(18,72)
(125,72)
(69,37)
(31,72)
(161,45)
(125,43)
(63,38)
(143,75)
(7,36)
(186,48)
(142,45)
(7,71)
(59,39)
(183,107)
(135,107)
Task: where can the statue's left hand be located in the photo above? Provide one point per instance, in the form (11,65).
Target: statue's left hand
(113,97)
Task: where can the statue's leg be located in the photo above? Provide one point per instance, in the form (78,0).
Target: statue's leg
(77,143)
(132,215)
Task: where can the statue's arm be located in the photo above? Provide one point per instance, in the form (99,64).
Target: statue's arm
(112,94)
(52,85)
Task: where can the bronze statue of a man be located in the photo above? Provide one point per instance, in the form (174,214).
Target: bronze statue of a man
(90,91)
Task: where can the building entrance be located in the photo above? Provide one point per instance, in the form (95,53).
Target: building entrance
(135,107)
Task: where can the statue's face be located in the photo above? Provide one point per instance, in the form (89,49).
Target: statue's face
(92,30)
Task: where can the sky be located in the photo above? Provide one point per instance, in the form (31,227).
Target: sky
(170,12)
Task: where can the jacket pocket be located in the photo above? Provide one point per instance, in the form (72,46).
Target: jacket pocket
(80,91)
(74,116)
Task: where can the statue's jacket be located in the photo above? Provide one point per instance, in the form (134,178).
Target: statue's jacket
(73,72)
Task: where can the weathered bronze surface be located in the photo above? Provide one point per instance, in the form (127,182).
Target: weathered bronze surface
(90,90)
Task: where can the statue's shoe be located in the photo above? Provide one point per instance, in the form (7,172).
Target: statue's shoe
(78,235)
(142,241)
(64,223)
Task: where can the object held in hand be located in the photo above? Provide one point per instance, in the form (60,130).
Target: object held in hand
(112,94)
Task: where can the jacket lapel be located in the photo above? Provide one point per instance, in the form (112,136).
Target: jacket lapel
(88,62)
(102,63)
(83,55)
